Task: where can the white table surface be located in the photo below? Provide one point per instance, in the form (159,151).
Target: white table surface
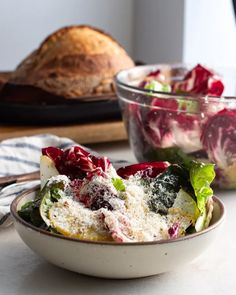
(22,272)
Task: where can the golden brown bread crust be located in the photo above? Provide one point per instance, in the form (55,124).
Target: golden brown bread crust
(74,61)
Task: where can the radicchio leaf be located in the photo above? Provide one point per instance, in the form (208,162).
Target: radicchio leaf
(148,169)
(77,162)
(154,75)
(98,196)
(219,138)
(157,129)
(199,80)
(163,129)
(173,231)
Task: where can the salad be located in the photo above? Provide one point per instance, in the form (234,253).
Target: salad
(199,126)
(82,196)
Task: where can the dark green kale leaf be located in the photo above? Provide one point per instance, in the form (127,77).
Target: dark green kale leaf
(30,213)
(25,211)
(165,187)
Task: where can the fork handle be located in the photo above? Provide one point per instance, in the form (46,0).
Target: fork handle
(6,180)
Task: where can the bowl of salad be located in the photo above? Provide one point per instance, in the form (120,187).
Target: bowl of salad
(136,221)
(180,113)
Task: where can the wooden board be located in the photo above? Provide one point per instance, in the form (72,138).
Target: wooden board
(81,133)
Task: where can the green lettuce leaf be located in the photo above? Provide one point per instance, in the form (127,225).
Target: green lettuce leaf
(189,106)
(201,177)
(118,184)
(154,85)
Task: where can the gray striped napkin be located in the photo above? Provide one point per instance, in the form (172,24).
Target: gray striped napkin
(21,155)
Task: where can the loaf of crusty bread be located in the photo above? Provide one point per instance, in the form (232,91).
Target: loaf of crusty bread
(74,61)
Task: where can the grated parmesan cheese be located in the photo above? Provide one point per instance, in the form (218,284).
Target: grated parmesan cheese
(131,220)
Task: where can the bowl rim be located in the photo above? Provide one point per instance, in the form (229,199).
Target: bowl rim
(153,67)
(16,217)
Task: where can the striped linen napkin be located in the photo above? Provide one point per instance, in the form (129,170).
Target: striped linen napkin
(21,155)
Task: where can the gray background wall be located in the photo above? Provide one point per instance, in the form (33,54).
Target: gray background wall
(25,23)
(151,30)
(158,26)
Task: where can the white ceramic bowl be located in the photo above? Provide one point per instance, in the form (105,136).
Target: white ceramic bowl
(113,260)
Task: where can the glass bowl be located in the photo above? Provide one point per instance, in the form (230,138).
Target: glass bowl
(180,127)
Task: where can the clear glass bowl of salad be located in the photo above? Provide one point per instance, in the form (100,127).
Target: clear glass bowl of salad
(180,113)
